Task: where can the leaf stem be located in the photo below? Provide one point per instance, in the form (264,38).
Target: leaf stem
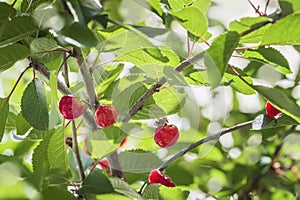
(73,125)
(202,141)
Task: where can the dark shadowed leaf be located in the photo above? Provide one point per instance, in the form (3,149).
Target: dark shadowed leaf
(4,109)
(11,54)
(96,183)
(218,55)
(34,105)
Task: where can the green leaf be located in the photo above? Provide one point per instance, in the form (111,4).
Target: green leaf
(96,183)
(174,77)
(195,76)
(36,134)
(50,17)
(169,100)
(151,55)
(137,161)
(24,147)
(54,116)
(4,110)
(34,105)
(104,76)
(151,192)
(40,161)
(155,4)
(117,134)
(53,192)
(289,6)
(11,54)
(248,23)
(29,5)
(6,11)
(281,101)
(77,35)
(202,5)
(18,162)
(218,55)
(17,29)
(283,32)
(112,197)
(56,150)
(85,10)
(167,193)
(42,49)
(192,19)
(22,125)
(99,146)
(271,56)
(124,188)
(236,83)
(124,100)
(151,31)
(180,4)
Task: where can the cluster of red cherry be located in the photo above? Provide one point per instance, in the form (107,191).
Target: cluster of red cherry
(165,134)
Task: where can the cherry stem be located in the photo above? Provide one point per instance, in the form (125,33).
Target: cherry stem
(76,151)
(73,125)
(113,158)
(256,9)
(64,63)
(202,141)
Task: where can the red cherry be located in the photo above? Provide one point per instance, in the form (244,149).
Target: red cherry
(166,136)
(70,107)
(271,111)
(106,115)
(157,176)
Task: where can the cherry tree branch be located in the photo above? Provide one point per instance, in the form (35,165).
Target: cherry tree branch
(202,141)
(155,88)
(73,125)
(88,79)
(113,157)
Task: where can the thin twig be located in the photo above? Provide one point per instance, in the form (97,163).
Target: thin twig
(74,129)
(13,89)
(202,141)
(13,4)
(76,151)
(256,9)
(266,7)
